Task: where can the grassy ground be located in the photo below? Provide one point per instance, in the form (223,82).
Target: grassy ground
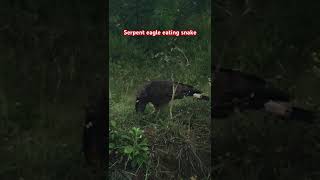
(180,144)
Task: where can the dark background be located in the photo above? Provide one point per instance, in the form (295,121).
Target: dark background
(278,41)
(53,55)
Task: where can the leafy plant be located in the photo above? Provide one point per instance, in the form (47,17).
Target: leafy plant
(136,147)
(130,145)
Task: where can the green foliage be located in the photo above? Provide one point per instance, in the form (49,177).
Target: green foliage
(161,15)
(182,139)
(178,150)
(137,149)
(131,145)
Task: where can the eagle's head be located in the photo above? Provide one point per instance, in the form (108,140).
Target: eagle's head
(188,90)
(141,101)
(140,105)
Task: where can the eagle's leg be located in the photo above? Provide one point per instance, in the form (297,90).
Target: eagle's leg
(156,110)
(163,108)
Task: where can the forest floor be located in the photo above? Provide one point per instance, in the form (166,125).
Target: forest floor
(179,142)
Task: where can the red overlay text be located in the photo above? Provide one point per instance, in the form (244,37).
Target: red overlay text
(159,32)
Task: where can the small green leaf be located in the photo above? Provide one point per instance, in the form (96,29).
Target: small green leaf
(113,123)
(128,149)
